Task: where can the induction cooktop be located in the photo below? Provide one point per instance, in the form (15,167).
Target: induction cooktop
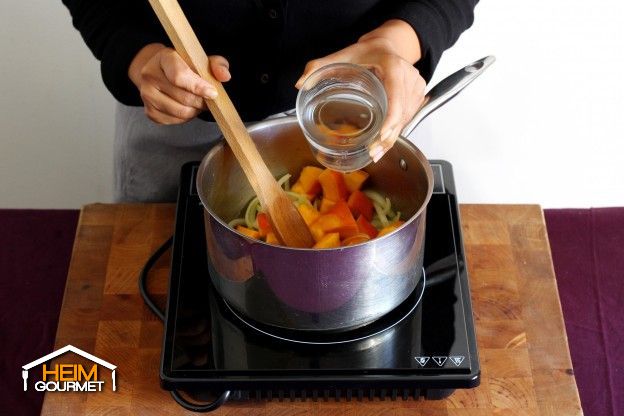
(425,348)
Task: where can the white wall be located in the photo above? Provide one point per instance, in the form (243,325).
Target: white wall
(543,125)
(56,116)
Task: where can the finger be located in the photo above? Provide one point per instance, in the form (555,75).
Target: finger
(417,96)
(309,69)
(381,147)
(167,105)
(394,136)
(376,151)
(182,96)
(220,68)
(159,117)
(395,90)
(180,75)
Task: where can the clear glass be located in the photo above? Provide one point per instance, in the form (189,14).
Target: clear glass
(340,109)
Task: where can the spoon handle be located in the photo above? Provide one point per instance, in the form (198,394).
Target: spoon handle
(187,45)
(289,226)
(446,89)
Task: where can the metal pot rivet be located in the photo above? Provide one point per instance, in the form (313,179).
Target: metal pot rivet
(403,164)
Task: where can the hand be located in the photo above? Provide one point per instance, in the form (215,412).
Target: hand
(171,91)
(403,84)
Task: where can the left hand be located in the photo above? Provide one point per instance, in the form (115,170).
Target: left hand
(403,84)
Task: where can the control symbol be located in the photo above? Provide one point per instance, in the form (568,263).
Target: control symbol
(422,360)
(439,360)
(457,359)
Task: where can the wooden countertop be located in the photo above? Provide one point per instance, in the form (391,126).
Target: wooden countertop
(526,368)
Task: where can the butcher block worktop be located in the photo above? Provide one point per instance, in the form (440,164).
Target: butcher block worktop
(523,348)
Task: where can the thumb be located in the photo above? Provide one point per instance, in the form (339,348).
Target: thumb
(220,68)
(309,69)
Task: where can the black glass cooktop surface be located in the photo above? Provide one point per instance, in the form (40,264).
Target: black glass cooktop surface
(428,342)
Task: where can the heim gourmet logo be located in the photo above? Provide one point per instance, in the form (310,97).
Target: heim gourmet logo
(69,377)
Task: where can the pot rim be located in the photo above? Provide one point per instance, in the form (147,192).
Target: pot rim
(293,119)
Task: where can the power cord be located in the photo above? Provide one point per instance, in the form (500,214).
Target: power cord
(143,278)
(200,408)
(194,407)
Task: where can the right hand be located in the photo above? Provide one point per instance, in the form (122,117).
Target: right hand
(171,91)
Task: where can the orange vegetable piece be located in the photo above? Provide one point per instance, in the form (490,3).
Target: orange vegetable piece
(389,228)
(344,129)
(366,227)
(326,205)
(271,238)
(326,130)
(309,180)
(298,188)
(333,184)
(308,212)
(359,203)
(348,226)
(347,129)
(317,231)
(248,232)
(264,226)
(354,180)
(327,222)
(356,239)
(338,220)
(330,240)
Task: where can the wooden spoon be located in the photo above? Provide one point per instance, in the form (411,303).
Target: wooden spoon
(288,224)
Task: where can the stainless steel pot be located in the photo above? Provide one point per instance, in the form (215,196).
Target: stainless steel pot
(330,289)
(306,288)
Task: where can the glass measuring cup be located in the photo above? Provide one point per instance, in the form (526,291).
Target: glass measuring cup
(340,109)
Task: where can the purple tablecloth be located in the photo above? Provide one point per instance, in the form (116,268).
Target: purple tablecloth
(588,255)
(35,248)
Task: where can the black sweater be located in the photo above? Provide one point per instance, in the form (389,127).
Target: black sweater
(267,42)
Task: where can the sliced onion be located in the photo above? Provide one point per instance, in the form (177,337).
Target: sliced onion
(376,197)
(298,198)
(388,205)
(237,221)
(381,214)
(356,239)
(284,182)
(397,217)
(251,211)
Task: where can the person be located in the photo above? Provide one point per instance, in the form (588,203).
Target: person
(262,50)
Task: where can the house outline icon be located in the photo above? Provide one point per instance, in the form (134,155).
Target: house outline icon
(62,351)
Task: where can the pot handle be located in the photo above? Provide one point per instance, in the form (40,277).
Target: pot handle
(446,89)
